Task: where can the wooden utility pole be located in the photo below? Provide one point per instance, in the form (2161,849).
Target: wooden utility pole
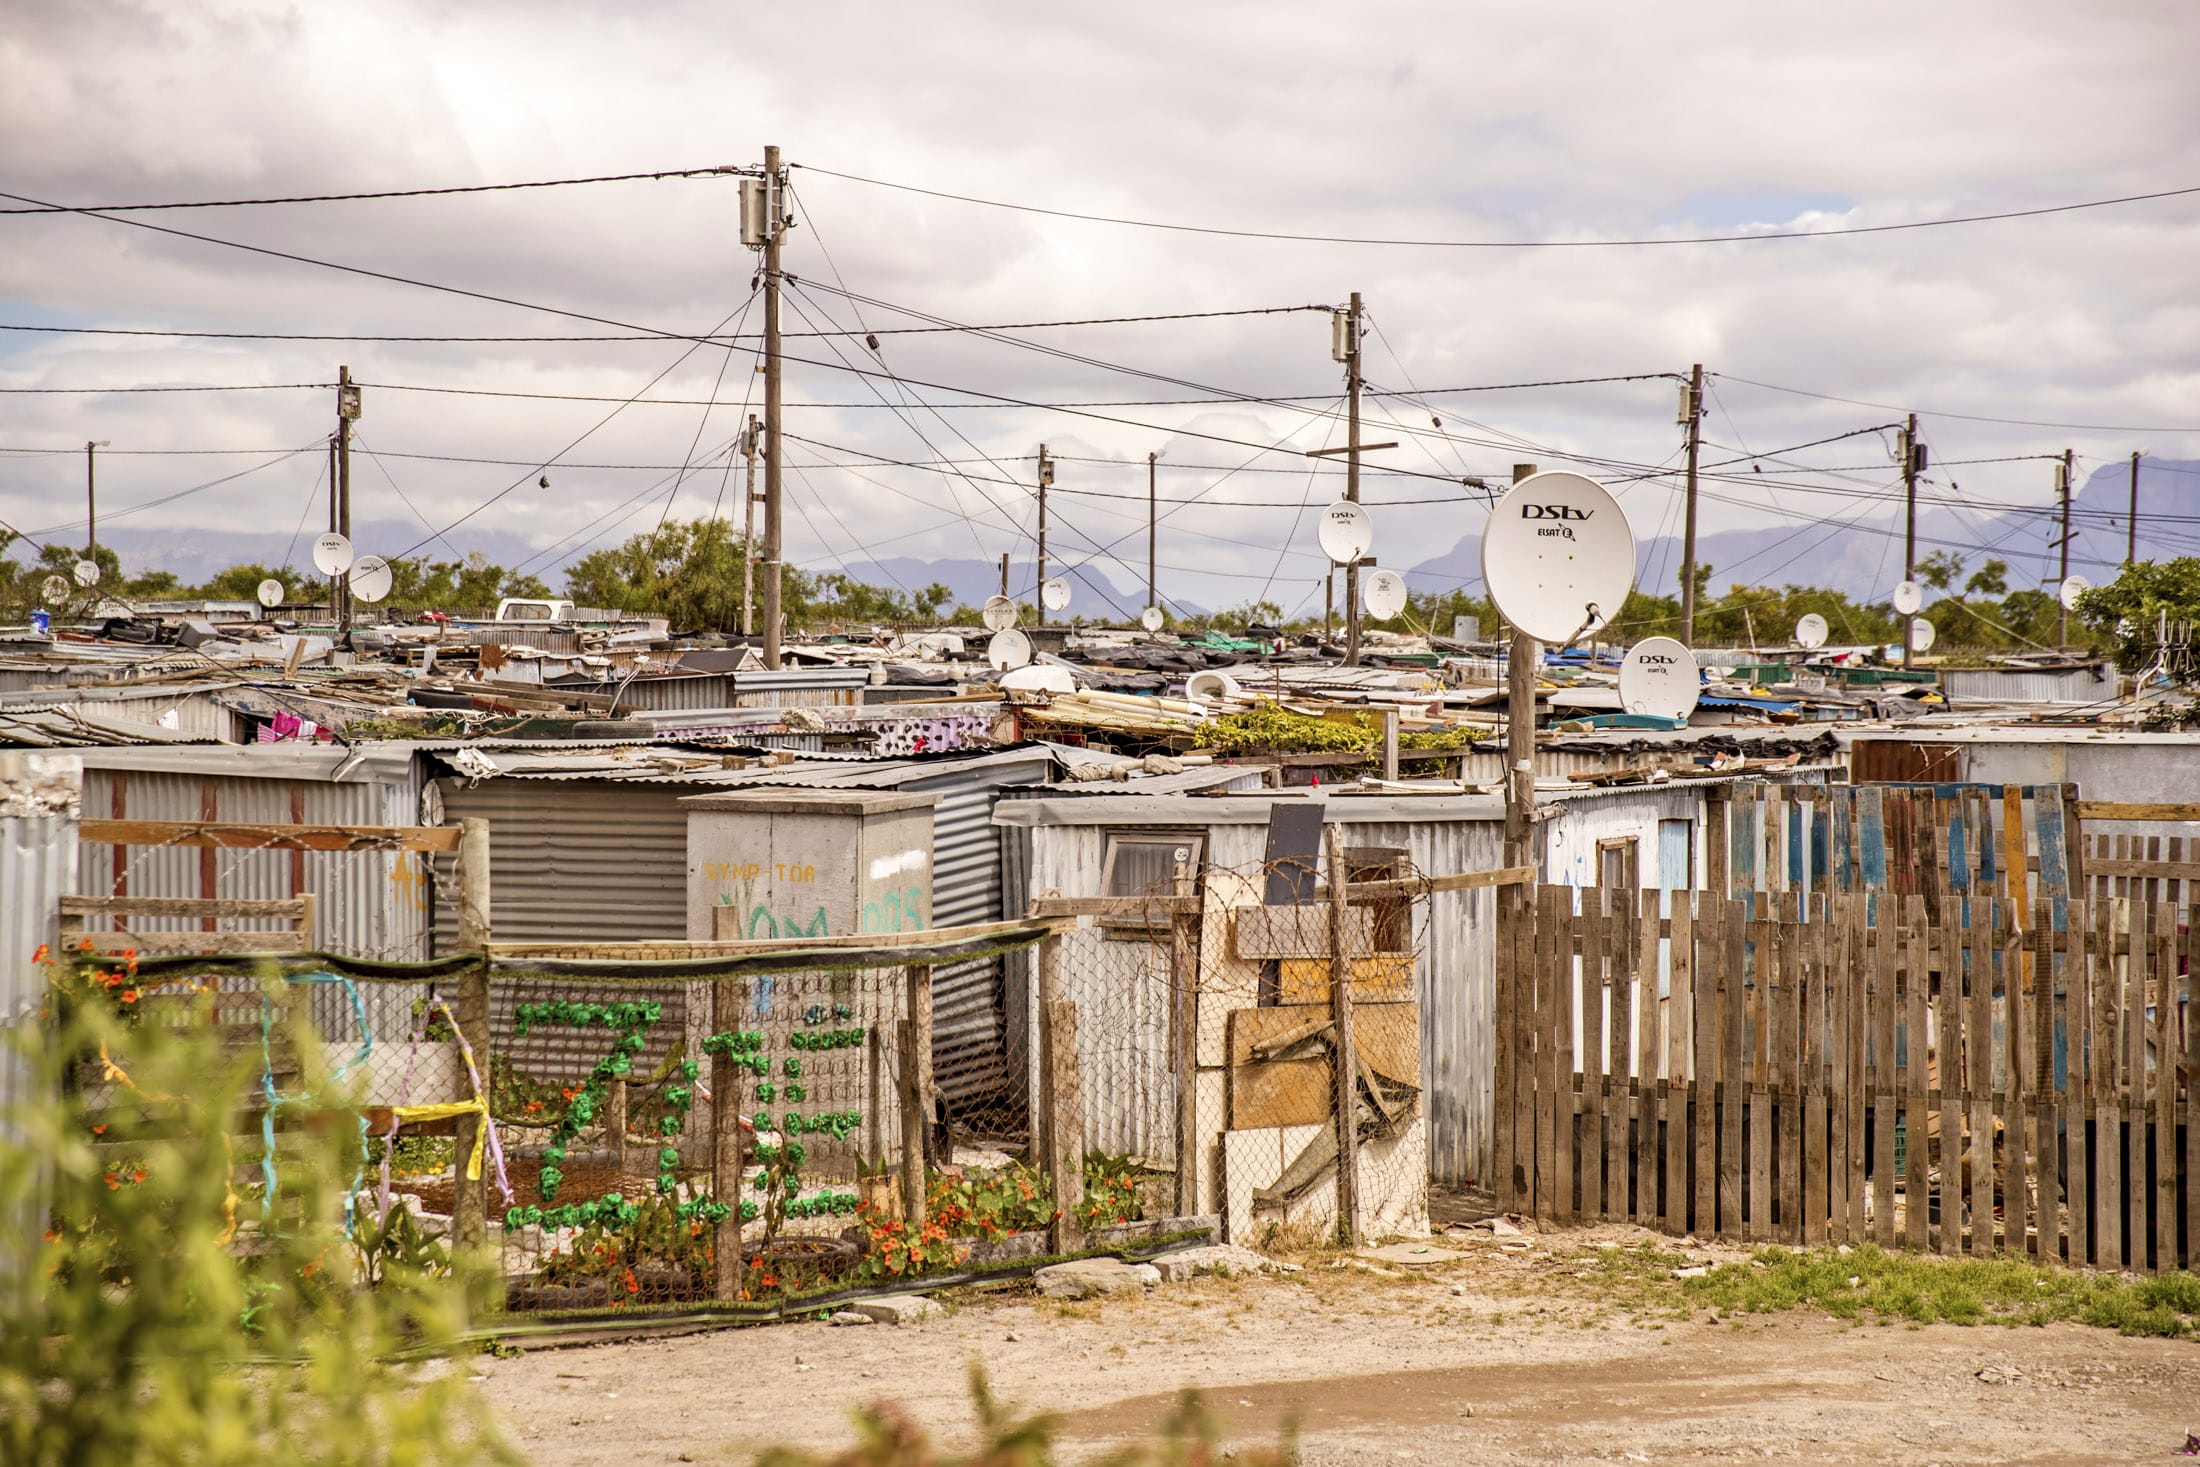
(1692,412)
(335,583)
(1004,574)
(1909,525)
(1520,736)
(91,504)
(347,411)
(2131,530)
(1039,587)
(1352,476)
(1152,522)
(775,228)
(748,532)
(2062,489)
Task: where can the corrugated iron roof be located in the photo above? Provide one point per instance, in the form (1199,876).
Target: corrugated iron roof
(75,726)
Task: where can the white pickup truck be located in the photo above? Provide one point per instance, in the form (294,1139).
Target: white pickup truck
(513,608)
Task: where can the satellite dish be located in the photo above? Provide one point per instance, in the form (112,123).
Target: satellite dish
(1921,635)
(1207,686)
(86,572)
(1008,649)
(1346,533)
(271,593)
(1383,594)
(1659,676)
(1151,618)
(999,613)
(1810,631)
(2072,588)
(1558,556)
(371,579)
(1908,598)
(53,590)
(1042,677)
(332,554)
(1054,594)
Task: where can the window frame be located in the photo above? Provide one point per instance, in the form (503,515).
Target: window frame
(1134,925)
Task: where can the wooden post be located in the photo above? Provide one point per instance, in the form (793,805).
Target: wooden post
(916,1094)
(1346,1067)
(1184,989)
(1061,1124)
(470,1205)
(727,1153)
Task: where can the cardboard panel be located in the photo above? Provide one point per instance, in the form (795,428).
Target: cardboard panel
(1383,978)
(1387,1037)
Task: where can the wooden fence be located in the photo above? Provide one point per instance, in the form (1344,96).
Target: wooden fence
(1839,1068)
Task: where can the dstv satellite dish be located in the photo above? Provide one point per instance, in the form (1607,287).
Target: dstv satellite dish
(1054,595)
(2072,588)
(1150,618)
(86,572)
(53,590)
(1810,631)
(1908,598)
(332,554)
(1383,594)
(1558,556)
(1009,649)
(1659,676)
(371,579)
(271,593)
(1346,533)
(999,613)
(1921,635)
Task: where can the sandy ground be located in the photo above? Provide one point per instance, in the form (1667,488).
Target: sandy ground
(1503,1354)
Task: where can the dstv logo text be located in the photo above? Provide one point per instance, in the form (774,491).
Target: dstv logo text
(1559,512)
(1657,659)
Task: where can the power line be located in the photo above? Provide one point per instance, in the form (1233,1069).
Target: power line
(143,504)
(202,387)
(1964,417)
(396,193)
(1511,244)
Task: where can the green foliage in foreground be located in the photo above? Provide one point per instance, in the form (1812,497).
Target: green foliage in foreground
(155,1312)
(1867,1284)
(887,1436)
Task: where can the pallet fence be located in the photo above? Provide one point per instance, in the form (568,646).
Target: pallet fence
(1839,1066)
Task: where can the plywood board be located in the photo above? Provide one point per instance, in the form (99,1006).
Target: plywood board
(1386,1036)
(1299,931)
(1383,978)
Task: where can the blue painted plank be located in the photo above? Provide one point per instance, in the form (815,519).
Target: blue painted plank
(1871,839)
(2047,803)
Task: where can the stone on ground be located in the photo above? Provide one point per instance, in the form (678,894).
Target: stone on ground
(850,1316)
(895,1309)
(1221,1258)
(1085,1277)
(1412,1255)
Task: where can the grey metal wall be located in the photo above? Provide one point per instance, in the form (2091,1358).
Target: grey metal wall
(37,868)
(2014,685)
(370,903)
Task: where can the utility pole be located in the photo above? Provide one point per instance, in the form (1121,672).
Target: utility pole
(1519,735)
(91,500)
(774,229)
(1692,415)
(1153,598)
(2131,529)
(1909,524)
(2062,613)
(1039,588)
(1004,575)
(1352,476)
(748,531)
(347,412)
(1329,606)
(334,583)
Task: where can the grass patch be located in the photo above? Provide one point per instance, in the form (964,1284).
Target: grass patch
(1868,1284)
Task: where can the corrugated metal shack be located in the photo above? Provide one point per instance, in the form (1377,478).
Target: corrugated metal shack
(1648,835)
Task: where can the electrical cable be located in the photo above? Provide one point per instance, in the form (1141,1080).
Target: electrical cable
(399,193)
(144,504)
(1963,417)
(1511,244)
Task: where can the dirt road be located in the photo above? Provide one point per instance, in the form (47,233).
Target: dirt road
(1503,1355)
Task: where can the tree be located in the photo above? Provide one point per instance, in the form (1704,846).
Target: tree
(1940,569)
(472,584)
(2128,611)
(840,597)
(1990,579)
(688,571)
(242,583)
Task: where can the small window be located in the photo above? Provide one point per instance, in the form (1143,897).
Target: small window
(1618,863)
(1145,864)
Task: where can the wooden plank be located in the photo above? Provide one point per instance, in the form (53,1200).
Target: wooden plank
(1552,922)
(1915,1073)
(2018,1022)
(2163,1115)
(2134,1089)
(1414,886)
(1681,1015)
(292,908)
(1947,1079)
(234,836)
(2168,868)
(1382,978)
(1733,1068)
(1301,1092)
(2040,1028)
(1764,936)
(1346,1067)
(1603,1163)
(208,943)
(1153,906)
(2013,875)
(2136,810)
(2107,1084)
(1881,999)
(1184,1024)
(1815,1169)
(1788,1066)
(1846,913)
(1526,1152)
(1705,963)
(1065,1124)
(1978,1075)
(1642,968)
(1505,1016)
(2189,1062)
(2076,1110)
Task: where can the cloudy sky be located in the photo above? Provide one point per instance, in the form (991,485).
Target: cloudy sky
(1573,124)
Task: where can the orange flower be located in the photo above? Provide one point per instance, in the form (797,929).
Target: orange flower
(100,1129)
(129,995)
(138,1175)
(42,954)
(84,945)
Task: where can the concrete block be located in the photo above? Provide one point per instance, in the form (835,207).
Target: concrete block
(1086,1277)
(894,1309)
